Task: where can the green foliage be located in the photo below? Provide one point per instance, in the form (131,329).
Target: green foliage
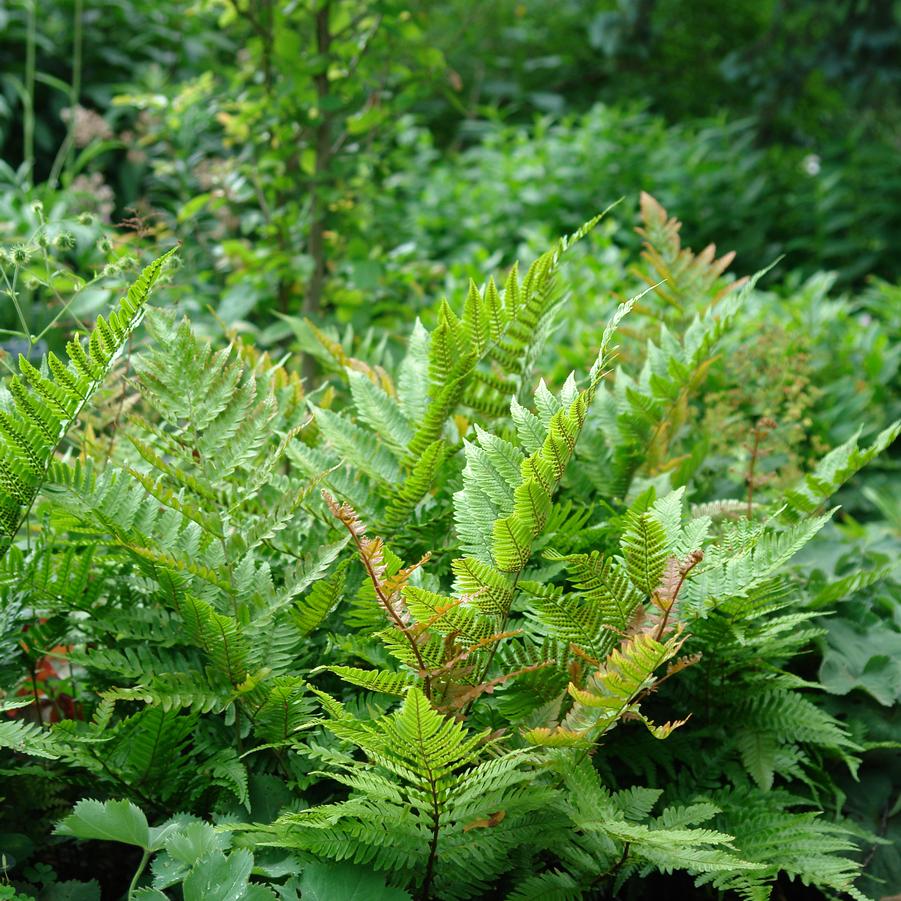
(118,821)
(203,627)
(327,591)
(47,401)
(323,881)
(426,788)
(835,469)
(404,428)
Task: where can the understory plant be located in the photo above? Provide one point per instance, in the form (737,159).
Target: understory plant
(435,629)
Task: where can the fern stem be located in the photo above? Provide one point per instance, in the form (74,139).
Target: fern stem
(760,431)
(114,430)
(36,695)
(749,478)
(433,854)
(436,821)
(696,558)
(127,789)
(493,651)
(239,742)
(392,613)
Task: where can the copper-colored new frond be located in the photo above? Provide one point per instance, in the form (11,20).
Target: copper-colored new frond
(458,697)
(346,514)
(666,595)
(456,660)
(388,590)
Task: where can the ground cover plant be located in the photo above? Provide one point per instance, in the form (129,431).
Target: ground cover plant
(437,628)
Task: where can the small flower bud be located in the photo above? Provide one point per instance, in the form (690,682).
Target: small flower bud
(21,254)
(37,208)
(64,241)
(104,245)
(86,218)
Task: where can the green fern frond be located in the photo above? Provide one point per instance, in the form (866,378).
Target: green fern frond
(733,569)
(833,471)
(499,512)
(281,708)
(424,806)
(28,738)
(45,407)
(771,832)
(490,590)
(352,442)
(463,618)
(604,585)
(646,550)
(218,635)
(569,619)
(316,605)
(175,691)
(380,411)
(415,486)
(384,681)
(610,693)
(638,417)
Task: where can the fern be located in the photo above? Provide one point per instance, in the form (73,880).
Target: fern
(645,551)
(506,497)
(639,418)
(611,693)
(682,279)
(747,559)
(605,588)
(47,401)
(424,786)
(385,631)
(614,832)
(401,431)
(833,471)
(26,738)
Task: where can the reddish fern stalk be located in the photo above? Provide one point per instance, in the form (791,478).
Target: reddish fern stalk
(387,588)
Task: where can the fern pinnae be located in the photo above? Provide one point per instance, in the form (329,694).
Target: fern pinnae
(48,407)
(645,549)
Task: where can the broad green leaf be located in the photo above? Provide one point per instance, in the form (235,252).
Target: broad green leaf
(223,878)
(331,881)
(109,821)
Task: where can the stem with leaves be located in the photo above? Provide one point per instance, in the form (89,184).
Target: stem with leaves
(764,426)
(370,553)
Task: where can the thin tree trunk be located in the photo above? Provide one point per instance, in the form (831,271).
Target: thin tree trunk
(318,208)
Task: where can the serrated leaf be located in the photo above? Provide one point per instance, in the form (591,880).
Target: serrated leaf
(108,821)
